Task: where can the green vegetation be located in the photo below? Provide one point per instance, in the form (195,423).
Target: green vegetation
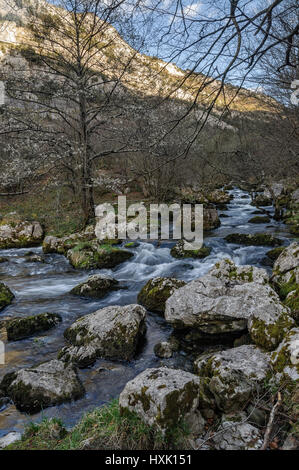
(104,428)
(6,296)
(259,220)
(20,328)
(257,239)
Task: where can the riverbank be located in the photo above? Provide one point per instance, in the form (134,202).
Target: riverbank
(45,286)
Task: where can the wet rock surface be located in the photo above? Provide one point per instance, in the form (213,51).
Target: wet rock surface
(96,286)
(20,328)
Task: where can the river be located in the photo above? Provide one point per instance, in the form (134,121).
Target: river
(44,287)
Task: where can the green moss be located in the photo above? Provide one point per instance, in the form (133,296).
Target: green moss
(6,296)
(257,239)
(259,220)
(275,253)
(243,276)
(20,328)
(288,287)
(156,291)
(269,336)
(178,251)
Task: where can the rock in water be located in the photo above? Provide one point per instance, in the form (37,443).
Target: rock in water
(112,332)
(259,220)
(6,296)
(20,328)
(39,387)
(97,256)
(163,350)
(235,433)
(228,300)
(96,286)
(178,251)
(16,233)
(233,376)
(156,291)
(164,397)
(255,239)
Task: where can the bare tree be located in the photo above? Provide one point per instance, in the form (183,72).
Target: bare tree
(66,95)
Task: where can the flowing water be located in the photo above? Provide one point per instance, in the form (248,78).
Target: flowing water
(44,287)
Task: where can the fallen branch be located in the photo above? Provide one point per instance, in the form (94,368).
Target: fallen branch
(270,422)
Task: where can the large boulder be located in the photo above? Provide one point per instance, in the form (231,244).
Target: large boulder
(6,296)
(235,433)
(164,398)
(178,251)
(228,300)
(96,255)
(256,239)
(233,376)
(96,286)
(20,328)
(285,360)
(156,291)
(47,384)
(17,233)
(113,332)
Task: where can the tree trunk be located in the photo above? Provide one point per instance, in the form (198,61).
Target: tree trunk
(87,198)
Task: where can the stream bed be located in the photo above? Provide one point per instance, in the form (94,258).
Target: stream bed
(44,287)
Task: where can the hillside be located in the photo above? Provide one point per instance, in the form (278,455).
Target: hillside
(147,76)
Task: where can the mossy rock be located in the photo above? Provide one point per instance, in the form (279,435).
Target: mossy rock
(275,253)
(257,239)
(3,259)
(20,328)
(156,291)
(178,251)
(269,334)
(259,220)
(47,384)
(96,286)
(261,200)
(292,301)
(6,296)
(97,256)
(285,360)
